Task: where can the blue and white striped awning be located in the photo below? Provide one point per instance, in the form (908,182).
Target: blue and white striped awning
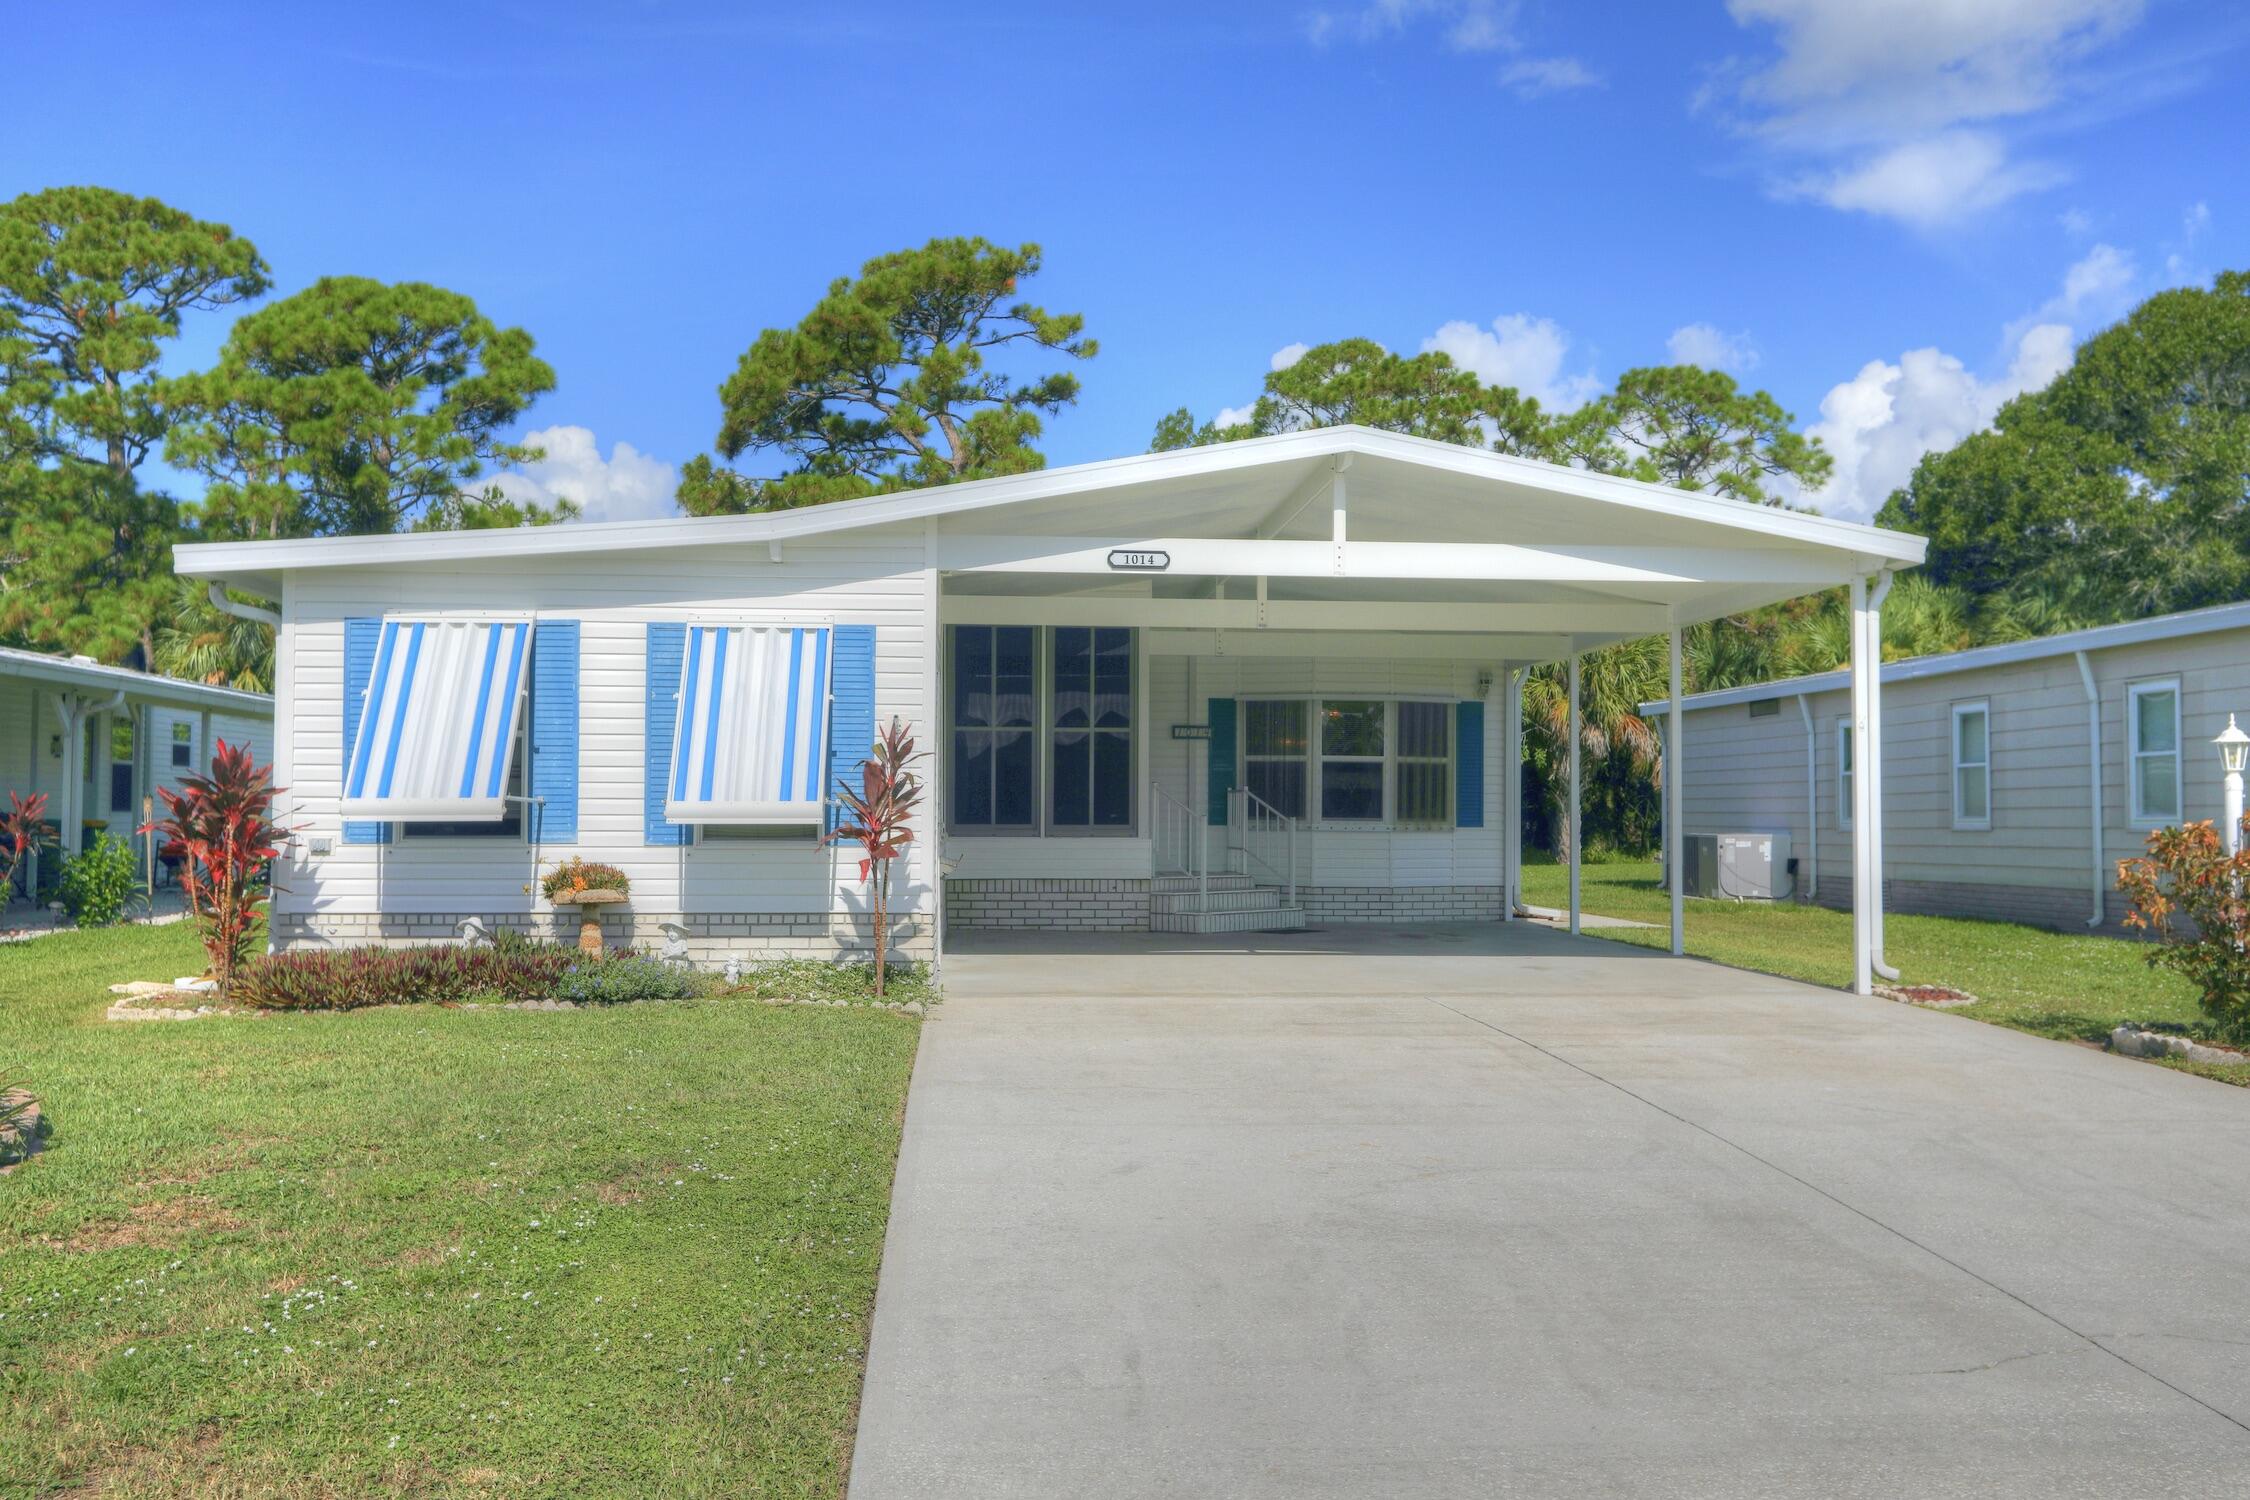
(437,730)
(750,742)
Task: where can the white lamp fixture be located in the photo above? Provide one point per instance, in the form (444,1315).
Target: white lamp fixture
(2234,753)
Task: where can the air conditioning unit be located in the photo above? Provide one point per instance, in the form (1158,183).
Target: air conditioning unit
(1739,866)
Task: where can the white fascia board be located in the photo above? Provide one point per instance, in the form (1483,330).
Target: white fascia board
(1874,545)
(1206,557)
(1622,621)
(2100,638)
(32,666)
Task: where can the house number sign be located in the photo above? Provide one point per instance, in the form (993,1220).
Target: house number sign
(1125,561)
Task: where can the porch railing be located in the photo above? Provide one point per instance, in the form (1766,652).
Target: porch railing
(1266,838)
(1176,833)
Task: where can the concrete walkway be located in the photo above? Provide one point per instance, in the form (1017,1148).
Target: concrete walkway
(1492,1211)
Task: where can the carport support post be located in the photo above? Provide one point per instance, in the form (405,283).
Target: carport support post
(1511,800)
(1863,921)
(1575,737)
(1675,805)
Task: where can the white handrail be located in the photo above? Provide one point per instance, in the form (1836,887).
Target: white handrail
(1176,834)
(1267,835)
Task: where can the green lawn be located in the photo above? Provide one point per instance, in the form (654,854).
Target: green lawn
(436,1252)
(2052,984)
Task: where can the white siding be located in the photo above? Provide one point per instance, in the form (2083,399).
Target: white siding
(876,578)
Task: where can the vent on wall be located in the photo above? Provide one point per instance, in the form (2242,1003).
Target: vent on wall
(1765,708)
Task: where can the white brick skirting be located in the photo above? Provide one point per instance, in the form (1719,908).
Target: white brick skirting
(711,938)
(1341,905)
(1123,905)
(1059,905)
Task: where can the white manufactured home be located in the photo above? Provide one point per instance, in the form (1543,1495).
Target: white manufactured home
(1238,688)
(99,741)
(2016,776)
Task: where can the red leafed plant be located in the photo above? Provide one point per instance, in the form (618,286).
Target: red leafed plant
(223,825)
(2189,873)
(23,830)
(879,815)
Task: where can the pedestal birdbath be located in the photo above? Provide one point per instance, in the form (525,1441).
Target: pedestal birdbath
(590,904)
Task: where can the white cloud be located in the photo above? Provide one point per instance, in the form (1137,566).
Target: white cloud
(1876,95)
(1521,351)
(1531,77)
(1711,347)
(627,486)
(1287,355)
(2179,267)
(1468,26)
(1929,182)
(1879,423)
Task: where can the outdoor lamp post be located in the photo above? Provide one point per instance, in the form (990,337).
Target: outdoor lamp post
(2234,751)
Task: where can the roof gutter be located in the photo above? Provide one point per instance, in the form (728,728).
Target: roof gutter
(220,602)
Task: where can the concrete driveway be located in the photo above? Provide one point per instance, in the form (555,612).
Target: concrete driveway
(1485,1211)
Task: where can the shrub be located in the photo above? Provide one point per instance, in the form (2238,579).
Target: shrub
(574,875)
(879,816)
(348,978)
(623,977)
(222,827)
(98,882)
(2189,873)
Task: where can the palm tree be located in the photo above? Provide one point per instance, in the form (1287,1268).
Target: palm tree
(202,643)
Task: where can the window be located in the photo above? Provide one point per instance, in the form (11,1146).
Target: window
(1351,760)
(2153,735)
(183,745)
(1090,729)
(121,764)
(1972,765)
(995,727)
(1843,773)
(1365,760)
(1273,753)
(1423,777)
(1765,708)
(509,825)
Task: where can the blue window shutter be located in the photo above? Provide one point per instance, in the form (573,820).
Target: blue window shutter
(1468,764)
(667,645)
(551,779)
(1220,762)
(361,634)
(851,725)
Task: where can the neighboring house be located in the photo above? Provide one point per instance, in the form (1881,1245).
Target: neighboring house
(2015,776)
(1237,687)
(99,740)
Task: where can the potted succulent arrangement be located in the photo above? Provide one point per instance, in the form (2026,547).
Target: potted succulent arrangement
(589,887)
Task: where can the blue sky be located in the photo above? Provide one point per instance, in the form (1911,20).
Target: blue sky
(1890,215)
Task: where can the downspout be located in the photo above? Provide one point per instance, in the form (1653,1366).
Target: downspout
(220,601)
(2094,784)
(1812,799)
(1874,765)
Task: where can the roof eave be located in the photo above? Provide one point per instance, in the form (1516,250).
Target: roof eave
(243,562)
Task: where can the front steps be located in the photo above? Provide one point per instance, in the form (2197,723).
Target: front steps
(1235,903)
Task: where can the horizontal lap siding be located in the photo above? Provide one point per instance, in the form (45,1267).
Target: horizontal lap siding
(1750,772)
(877,580)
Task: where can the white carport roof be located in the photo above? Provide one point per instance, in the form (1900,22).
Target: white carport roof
(92,676)
(1347,527)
